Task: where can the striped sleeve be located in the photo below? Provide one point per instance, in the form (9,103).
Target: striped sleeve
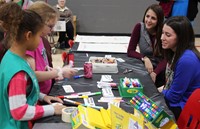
(19,108)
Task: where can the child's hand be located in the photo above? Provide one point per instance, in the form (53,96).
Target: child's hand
(68,72)
(58,109)
(49,99)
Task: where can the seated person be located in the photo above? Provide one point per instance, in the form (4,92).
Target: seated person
(183,61)
(65,15)
(147,34)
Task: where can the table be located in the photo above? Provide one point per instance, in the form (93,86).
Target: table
(82,85)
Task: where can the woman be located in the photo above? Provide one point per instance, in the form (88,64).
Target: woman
(182,72)
(38,59)
(67,16)
(147,34)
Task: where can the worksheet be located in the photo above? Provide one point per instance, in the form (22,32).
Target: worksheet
(117,44)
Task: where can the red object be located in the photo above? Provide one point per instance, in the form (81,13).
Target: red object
(64,57)
(70,58)
(88,70)
(167,7)
(61,97)
(190,113)
(71,43)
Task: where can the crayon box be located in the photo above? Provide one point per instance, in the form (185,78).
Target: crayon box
(154,114)
(129,86)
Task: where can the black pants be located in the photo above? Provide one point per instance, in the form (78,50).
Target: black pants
(176,110)
(64,37)
(160,79)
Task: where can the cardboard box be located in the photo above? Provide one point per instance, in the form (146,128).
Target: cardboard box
(104,64)
(154,114)
(128,92)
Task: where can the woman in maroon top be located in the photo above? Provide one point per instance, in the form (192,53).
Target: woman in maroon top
(147,35)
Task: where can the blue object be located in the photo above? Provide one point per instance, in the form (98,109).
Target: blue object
(78,76)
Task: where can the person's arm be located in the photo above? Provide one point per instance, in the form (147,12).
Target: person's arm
(42,75)
(69,14)
(134,40)
(160,67)
(19,108)
(183,75)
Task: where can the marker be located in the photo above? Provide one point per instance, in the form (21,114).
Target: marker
(71,101)
(72,96)
(78,76)
(95,93)
(95,107)
(81,93)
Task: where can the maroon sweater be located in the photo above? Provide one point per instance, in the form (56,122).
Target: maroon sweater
(134,40)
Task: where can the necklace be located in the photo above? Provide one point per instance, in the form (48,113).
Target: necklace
(169,74)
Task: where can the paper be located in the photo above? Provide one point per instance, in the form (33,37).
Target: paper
(106,78)
(60,26)
(103,47)
(68,88)
(89,101)
(116,44)
(102,39)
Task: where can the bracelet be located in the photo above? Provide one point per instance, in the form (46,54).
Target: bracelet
(143,58)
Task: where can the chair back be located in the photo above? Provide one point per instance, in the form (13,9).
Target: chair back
(190,115)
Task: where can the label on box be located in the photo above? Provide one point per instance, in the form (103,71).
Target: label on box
(107,92)
(89,101)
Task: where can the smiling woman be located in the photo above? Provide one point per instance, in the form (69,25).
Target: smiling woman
(147,34)
(182,73)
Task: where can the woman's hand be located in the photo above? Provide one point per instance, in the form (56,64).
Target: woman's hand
(160,89)
(48,99)
(148,64)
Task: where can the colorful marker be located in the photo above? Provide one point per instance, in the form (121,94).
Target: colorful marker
(73,97)
(78,76)
(94,93)
(71,101)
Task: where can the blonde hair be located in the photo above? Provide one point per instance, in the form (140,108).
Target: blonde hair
(46,11)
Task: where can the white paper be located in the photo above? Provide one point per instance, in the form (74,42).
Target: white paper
(60,26)
(68,88)
(118,44)
(102,39)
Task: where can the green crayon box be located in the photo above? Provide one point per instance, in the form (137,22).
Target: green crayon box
(129,86)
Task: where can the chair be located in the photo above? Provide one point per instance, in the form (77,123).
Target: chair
(64,57)
(190,115)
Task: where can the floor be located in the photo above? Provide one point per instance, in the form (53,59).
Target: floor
(57,59)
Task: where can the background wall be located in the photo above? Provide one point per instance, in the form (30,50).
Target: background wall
(111,16)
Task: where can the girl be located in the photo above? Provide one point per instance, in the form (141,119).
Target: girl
(38,59)
(147,34)
(182,73)
(19,90)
